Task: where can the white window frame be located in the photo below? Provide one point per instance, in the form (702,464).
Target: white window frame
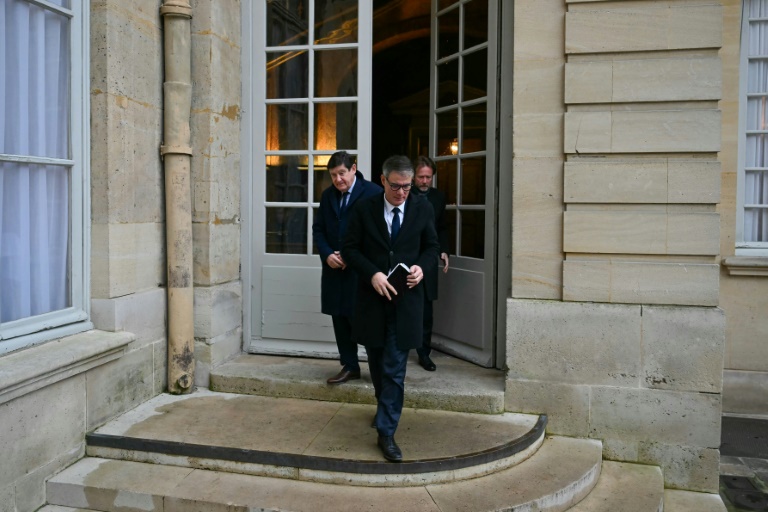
(744,248)
(37,329)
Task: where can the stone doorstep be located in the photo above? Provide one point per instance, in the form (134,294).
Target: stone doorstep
(560,474)
(456,385)
(331,443)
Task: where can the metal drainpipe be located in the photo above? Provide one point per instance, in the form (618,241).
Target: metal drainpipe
(176,152)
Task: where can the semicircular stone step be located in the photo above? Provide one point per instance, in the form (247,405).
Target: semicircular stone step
(558,476)
(314,440)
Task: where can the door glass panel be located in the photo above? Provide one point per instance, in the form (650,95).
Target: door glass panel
(287,126)
(473,181)
(475,23)
(475,75)
(473,130)
(287,230)
(286,178)
(447,135)
(335,73)
(442,4)
(473,233)
(287,74)
(447,180)
(448,83)
(335,126)
(322,178)
(335,21)
(286,23)
(448,33)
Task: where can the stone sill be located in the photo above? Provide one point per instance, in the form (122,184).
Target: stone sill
(30,369)
(746,266)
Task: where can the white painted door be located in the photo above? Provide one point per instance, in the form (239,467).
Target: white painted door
(463,127)
(308,66)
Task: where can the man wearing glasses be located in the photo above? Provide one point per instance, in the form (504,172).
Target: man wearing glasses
(384,231)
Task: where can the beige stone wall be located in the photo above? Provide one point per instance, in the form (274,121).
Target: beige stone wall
(617,181)
(216,72)
(744,297)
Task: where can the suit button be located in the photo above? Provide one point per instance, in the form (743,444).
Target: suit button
(391,253)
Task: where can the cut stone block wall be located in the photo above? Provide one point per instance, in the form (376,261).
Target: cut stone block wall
(646,380)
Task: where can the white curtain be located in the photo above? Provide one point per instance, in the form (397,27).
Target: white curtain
(756,164)
(34,198)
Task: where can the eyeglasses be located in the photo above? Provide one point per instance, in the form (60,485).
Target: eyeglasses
(396,186)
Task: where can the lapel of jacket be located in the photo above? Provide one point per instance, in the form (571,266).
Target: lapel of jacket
(378,217)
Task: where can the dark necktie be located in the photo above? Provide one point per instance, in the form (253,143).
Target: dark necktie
(344,201)
(395,222)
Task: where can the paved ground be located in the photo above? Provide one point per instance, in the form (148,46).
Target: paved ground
(744,464)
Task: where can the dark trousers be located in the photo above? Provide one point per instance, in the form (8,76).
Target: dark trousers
(342,329)
(387,366)
(426,342)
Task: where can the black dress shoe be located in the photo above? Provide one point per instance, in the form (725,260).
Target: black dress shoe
(427,364)
(390,449)
(344,376)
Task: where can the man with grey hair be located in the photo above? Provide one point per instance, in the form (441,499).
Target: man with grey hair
(384,231)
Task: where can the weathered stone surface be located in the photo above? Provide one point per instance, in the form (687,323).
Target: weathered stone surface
(210,353)
(639,27)
(566,405)
(639,282)
(685,467)
(536,17)
(671,417)
(30,488)
(216,253)
(683,348)
(745,392)
(573,343)
(684,501)
(142,313)
(538,135)
(538,86)
(626,488)
(218,309)
(120,385)
(160,365)
(41,426)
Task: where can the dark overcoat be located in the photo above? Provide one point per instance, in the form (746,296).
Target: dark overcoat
(368,249)
(337,286)
(437,199)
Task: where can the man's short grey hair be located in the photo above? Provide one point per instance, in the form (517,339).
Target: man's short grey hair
(399,164)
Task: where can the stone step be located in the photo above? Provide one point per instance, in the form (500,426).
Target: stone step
(456,385)
(687,501)
(57,508)
(314,440)
(560,474)
(627,488)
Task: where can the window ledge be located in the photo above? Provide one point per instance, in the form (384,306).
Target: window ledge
(31,369)
(746,265)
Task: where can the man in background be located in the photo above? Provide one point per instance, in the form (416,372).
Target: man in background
(338,283)
(425,173)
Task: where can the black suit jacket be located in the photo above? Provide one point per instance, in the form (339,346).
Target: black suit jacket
(437,199)
(337,286)
(368,250)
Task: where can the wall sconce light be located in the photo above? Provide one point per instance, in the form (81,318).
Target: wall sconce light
(455,146)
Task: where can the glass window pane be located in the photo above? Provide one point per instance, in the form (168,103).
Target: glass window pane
(335,126)
(335,73)
(758,77)
(322,176)
(35,77)
(475,23)
(448,83)
(755,225)
(287,74)
(34,240)
(474,129)
(448,33)
(473,233)
(758,38)
(447,133)
(287,126)
(286,23)
(335,21)
(475,75)
(446,179)
(286,231)
(442,4)
(286,178)
(758,8)
(473,180)
(757,149)
(756,113)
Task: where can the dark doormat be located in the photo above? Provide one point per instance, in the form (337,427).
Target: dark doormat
(744,437)
(742,493)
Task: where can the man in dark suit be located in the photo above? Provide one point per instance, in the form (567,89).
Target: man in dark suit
(338,283)
(425,171)
(384,231)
